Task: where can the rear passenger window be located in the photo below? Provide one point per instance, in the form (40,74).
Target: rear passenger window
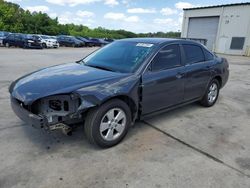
(168,57)
(17,37)
(11,37)
(208,55)
(194,54)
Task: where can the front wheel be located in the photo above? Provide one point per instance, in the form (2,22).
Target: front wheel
(44,45)
(108,124)
(212,93)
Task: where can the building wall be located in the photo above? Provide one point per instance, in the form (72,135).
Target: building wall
(234,22)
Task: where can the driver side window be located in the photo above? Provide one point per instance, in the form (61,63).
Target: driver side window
(168,57)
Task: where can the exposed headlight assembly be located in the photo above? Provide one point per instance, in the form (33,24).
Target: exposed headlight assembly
(55,108)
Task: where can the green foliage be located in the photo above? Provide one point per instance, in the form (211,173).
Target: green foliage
(14,19)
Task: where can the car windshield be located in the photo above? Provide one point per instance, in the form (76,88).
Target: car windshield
(44,37)
(3,34)
(120,56)
(30,37)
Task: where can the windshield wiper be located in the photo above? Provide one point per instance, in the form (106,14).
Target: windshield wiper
(79,61)
(100,67)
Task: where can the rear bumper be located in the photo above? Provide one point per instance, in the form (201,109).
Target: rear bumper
(225,72)
(28,117)
(225,78)
(53,45)
(225,75)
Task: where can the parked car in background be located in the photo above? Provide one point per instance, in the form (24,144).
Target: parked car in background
(104,42)
(3,35)
(32,41)
(22,41)
(48,42)
(109,40)
(53,37)
(98,42)
(88,43)
(127,80)
(69,41)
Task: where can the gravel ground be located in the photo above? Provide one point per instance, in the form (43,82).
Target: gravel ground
(189,147)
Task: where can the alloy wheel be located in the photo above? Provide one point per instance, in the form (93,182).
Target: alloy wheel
(113,124)
(212,93)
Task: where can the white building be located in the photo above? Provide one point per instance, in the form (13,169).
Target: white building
(226,27)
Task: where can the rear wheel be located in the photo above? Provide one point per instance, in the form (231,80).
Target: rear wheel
(211,94)
(24,46)
(44,45)
(108,124)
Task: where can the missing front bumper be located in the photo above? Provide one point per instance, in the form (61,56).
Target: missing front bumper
(28,117)
(37,121)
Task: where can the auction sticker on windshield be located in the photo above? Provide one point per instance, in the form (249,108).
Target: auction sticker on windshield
(146,45)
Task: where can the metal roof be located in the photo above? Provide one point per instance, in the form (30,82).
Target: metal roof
(217,6)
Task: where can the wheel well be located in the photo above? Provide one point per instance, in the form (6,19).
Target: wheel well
(130,102)
(219,79)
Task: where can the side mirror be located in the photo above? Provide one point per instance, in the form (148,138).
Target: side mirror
(149,69)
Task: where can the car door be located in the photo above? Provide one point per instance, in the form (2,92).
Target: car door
(63,41)
(19,40)
(163,81)
(11,39)
(197,71)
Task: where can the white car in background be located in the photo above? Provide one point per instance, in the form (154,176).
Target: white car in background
(48,42)
(3,35)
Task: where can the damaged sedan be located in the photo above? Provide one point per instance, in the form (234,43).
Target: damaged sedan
(111,88)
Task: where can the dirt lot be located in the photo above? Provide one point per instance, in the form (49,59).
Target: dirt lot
(189,147)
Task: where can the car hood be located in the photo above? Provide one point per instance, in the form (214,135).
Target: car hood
(51,40)
(31,40)
(58,79)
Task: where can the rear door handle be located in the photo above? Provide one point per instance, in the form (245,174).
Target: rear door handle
(179,75)
(208,67)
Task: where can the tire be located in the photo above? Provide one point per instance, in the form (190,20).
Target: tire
(24,46)
(212,94)
(102,127)
(7,45)
(44,45)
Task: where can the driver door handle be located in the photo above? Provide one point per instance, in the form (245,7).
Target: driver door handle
(179,75)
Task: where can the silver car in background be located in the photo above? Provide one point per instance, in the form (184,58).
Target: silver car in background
(48,42)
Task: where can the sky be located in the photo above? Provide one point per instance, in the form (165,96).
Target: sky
(139,16)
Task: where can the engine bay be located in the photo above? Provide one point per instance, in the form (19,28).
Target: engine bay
(58,108)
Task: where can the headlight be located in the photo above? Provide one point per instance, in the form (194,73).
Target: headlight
(56,105)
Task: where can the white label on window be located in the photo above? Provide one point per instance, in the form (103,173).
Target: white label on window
(146,45)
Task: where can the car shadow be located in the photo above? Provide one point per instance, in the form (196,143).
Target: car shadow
(186,111)
(56,140)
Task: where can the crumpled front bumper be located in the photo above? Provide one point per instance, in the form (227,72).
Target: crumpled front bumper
(28,117)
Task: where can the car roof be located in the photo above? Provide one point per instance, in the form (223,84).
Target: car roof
(149,40)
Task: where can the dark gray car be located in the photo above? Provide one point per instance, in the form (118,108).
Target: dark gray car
(124,81)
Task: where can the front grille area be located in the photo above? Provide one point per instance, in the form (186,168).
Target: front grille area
(27,107)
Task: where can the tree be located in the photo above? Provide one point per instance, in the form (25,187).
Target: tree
(15,19)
